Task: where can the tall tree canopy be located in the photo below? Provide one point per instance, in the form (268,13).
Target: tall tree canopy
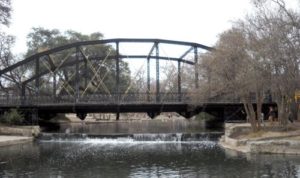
(259,55)
(6,41)
(100,72)
(5,12)
(41,39)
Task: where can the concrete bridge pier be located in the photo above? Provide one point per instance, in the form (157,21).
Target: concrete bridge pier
(190,111)
(81,115)
(118,116)
(34,116)
(187,114)
(152,115)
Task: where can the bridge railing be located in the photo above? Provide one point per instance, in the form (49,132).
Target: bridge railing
(10,100)
(130,98)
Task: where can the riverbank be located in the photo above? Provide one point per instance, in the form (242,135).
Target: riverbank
(7,140)
(11,135)
(27,131)
(272,139)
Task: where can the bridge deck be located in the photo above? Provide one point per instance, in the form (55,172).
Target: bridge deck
(183,104)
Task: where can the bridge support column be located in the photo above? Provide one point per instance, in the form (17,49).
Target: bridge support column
(218,113)
(118,116)
(81,115)
(187,114)
(152,115)
(118,113)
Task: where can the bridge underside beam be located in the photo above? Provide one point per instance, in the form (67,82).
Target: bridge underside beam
(102,108)
(185,110)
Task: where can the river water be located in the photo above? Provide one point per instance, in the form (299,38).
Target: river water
(139,155)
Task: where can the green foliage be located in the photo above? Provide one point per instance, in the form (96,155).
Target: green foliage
(12,117)
(5,12)
(204,116)
(41,39)
(6,41)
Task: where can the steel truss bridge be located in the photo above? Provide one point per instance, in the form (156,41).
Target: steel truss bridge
(48,70)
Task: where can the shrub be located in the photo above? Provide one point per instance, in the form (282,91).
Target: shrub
(12,117)
(204,116)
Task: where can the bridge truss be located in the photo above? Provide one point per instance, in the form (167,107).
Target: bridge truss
(28,90)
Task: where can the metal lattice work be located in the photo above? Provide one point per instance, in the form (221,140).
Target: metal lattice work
(64,76)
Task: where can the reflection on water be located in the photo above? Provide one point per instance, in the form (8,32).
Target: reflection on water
(97,158)
(137,126)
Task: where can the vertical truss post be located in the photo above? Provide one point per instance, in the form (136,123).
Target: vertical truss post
(117,72)
(77,82)
(54,85)
(157,73)
(196,67)
(85,73)
(148,70)
(179,80)
(37,80)
(148,79)
(23,99)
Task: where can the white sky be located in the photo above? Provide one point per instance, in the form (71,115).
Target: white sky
(184,20)
(187,20)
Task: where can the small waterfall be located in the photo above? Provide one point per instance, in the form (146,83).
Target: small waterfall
(121,138)
(158,137)
(61,136)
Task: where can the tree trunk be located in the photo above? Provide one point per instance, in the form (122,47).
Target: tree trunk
(247,111)
(282,111)
(259,100)
(250,113)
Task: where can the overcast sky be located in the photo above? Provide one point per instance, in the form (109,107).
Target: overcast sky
(187,20)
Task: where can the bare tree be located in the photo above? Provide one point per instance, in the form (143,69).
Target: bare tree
(233,71)
(259,54)
(277,32)
(5,12)
(6,42)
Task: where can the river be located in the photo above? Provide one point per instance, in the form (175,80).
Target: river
(138,155)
